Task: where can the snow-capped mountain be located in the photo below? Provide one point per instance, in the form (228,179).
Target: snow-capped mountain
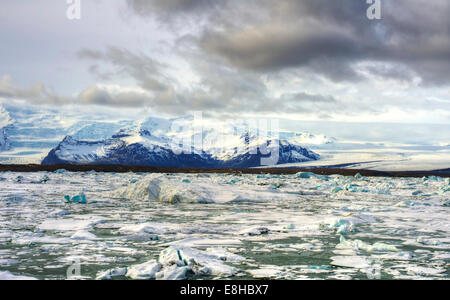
(159,142)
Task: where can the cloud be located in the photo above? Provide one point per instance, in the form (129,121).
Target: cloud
(146,7)
(100,96)
(310,57)
(219,90)
(324,37)
(37,94)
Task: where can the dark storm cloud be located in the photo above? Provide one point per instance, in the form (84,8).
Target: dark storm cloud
(328,38)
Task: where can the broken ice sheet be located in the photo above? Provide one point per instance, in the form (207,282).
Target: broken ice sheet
(117,230)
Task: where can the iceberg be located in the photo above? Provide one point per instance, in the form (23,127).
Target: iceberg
(80,198)
(83,235)
(255,231)
(305,175)
(145,271)
(173,272)
(344,226)
(360,245)
(110,274)
(200,262)
(336,190)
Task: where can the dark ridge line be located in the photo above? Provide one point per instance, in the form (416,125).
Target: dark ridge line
(276,171)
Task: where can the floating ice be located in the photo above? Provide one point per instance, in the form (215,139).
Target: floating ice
(444,190)
(428,241)
(10,276)
(120,228)
(305,175)
(160,188)
(360,245)
(425,271)
(144,228)
(44,179)
(58,213)
(204,242)
(224,255)
(80,198)
(201,262)
(255,231)
(234,181)
(407,204)
(266,272)
(83,235)
(173,272)
(347,225)
(71,224)
(337,189)
(433,178)
(358,262)
(110,274)
(144,271)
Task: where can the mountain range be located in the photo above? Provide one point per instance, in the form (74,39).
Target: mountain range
(155,142)
(31,135)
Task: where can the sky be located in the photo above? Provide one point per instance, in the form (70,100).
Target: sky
(318,62)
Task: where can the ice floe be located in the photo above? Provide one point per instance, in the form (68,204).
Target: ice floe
(204,226)
(10,276)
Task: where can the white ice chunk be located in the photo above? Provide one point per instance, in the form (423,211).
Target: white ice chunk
(205,263)
(83,235)
(255,231)
(173,272)
(71,224)
(144,271)
(144,228)
(9,276)
(108,275)
(358,262)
